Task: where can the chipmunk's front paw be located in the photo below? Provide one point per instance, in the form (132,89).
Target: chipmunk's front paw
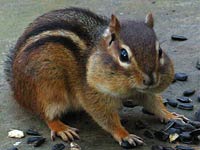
(69,134)
(62,130)
(131,141)
(173,116)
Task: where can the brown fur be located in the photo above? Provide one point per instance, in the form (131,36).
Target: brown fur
(58,69)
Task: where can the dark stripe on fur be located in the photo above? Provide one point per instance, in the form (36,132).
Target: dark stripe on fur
(67,42)
(78,30)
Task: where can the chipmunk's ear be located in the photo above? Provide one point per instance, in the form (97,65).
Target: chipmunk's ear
(111,34)
(114,25)
(149,20)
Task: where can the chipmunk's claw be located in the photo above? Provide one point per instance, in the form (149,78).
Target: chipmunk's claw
(131,141)
(180,117)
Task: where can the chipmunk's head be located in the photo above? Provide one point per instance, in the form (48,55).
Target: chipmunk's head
(128,58)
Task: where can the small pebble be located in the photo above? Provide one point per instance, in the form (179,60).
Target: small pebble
(181,76)
(184,99)
(186,106)
(148,134)
(188,92)
(32,132)
(198,64)
(180,147)
(178,38)
(59,146)
(172,102)
(161,135)
(13,148)
(16,134)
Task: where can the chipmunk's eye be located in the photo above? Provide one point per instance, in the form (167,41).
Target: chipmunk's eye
(124,55)
(160,52)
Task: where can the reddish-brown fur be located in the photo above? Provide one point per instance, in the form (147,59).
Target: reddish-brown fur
(55,76)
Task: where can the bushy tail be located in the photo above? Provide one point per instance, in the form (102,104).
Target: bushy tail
(8,63)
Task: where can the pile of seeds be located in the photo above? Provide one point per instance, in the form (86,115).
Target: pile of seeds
(35,139)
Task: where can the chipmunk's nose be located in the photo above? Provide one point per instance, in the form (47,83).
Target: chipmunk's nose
(148,80)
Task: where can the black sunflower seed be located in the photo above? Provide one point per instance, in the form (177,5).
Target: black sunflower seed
(197,115)
(185,137)
(59,146)
(186,106)
(196,124)
(198,64)
(181,147)
(172,102)
(36,141)
(32,132)
(178,38)
(173,130)
(188,92)
(181,76)
(195,133)
(198,97)
(169,124)
(184,99)
(161,135)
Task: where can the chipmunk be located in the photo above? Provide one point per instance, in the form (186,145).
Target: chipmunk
(73,59)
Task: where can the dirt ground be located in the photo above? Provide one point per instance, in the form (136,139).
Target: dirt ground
(171,17)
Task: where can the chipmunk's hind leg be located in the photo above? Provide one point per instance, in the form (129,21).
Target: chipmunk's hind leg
(53,99)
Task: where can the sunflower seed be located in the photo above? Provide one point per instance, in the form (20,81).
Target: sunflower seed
(188,92)
(181,76)
(197,115)
(172,102)
(161,135)
(32,132)
(186,106)
(59,146)
(36,141)
(184,99)
(198,64)
(180,147)
(178,38)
